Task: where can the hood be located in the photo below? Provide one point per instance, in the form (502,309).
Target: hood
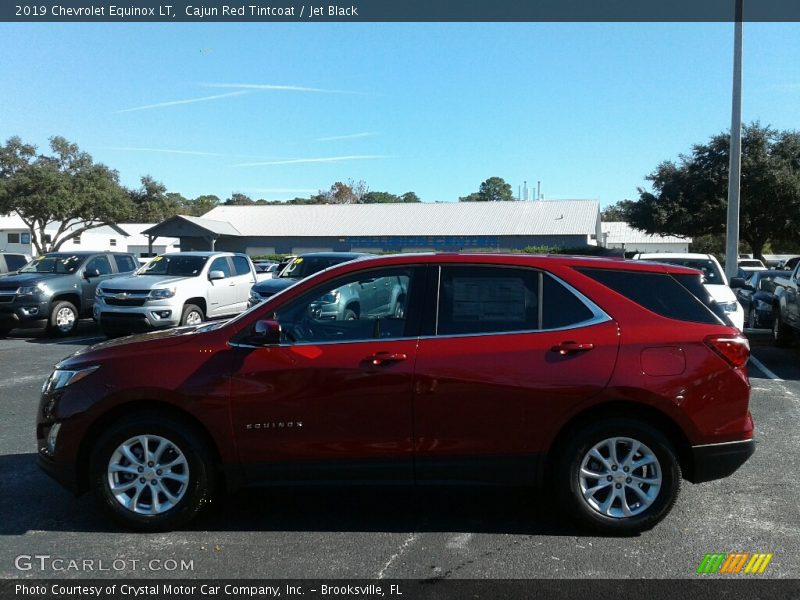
(721,293)
(274,286)
(132,344)
(24,279)
(142,282)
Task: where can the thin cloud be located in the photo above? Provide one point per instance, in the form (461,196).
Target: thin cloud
(186,152)
(301,161)
(177,102)
(279,88)
(351,136)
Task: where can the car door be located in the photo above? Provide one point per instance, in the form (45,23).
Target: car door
(221,293)
(333,399)
(242,281)
(97,269)
(512,350)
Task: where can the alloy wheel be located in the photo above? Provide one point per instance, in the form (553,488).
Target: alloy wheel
(620,477)
(65,319)
(194,318)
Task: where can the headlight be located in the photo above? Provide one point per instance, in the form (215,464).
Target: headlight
(255,297)
(728,307)
(52,437)
(31,290)
(162,293)
(61,378)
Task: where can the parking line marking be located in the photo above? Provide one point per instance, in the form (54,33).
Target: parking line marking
(760,366)
(80,340)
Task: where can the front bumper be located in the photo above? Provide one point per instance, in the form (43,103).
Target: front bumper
(137,319)
(23,310)
(715,461)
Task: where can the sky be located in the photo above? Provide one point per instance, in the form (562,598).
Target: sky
(276,111)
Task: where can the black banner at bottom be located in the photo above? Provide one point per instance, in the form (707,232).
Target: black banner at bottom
(400,589)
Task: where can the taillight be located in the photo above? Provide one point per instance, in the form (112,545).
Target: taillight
(735,350)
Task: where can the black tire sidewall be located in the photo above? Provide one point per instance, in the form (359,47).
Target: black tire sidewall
(568,466)
(52,327)
(201,471)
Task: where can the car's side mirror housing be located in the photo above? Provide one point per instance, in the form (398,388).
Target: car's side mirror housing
(213,275)
(267,332)
(89,273)
(738,282)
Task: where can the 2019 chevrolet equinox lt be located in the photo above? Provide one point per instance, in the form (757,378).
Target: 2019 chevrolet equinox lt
(609,380)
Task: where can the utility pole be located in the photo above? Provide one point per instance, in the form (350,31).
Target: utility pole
(735,165)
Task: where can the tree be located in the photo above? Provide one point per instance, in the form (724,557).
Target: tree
(202,204)
(344,193)
(66,188)
(494,189)
(616,212)
(379,198)
(238,199)
(690,197)
(409,197)
(152,203)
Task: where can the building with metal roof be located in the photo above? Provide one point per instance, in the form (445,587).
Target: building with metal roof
(411,227)
(620,235)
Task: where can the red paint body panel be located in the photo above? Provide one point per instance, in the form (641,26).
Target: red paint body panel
(451,397)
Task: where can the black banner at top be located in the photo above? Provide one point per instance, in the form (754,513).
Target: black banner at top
(263,11)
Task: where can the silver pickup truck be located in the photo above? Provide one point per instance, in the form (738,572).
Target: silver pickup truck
(182,288)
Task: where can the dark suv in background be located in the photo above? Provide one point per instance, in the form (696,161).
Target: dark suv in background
(608,381)
(58,288)
(11,262)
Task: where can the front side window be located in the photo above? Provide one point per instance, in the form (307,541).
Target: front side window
(362,306)
(99,264)
(241,265)
(15,261)
(220,264)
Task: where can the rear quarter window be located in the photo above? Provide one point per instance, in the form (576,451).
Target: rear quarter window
(660,293)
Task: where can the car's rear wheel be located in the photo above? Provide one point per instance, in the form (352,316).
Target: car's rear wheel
(192,315)
(618,476)
(151,472)
(781,334)
(63,320)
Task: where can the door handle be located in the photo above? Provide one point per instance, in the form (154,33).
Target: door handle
(565,348)
(380,358)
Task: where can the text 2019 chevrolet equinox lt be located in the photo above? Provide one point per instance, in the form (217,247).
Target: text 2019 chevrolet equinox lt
(608,380)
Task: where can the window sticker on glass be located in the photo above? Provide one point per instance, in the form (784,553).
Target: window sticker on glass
(488,299)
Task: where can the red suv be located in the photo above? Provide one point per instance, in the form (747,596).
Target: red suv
(608,380)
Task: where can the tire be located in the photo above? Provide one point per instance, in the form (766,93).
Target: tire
(63,320)
(647,507)
(191,313)
(781,334)
(195,464)
(349,315)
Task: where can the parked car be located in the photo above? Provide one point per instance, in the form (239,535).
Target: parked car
(757,298)
(786,311)
(789,264)
(58,288)
(749,265)
(12,262)
(714,279)
(179,288)
(299,268)
(265,269)
(608,381)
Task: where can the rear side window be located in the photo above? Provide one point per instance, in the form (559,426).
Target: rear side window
(660,293)
(15,261)
(478,299)
(124,263)
(241,265)
(99,264)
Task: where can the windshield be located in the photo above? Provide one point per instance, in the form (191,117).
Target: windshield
(302,267)
(176,265)
(711,272)
(54,263)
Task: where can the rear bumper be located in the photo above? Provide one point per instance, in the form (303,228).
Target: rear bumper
(715,461)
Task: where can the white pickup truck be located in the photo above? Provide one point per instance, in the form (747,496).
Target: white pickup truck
(181,288)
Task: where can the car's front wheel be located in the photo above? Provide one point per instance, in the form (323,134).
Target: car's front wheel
(192,315)
(618,476)
(63,320)
(152,472)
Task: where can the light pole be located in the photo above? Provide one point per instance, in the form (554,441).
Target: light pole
(735,165)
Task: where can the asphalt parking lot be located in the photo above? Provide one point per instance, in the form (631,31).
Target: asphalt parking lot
(396,533)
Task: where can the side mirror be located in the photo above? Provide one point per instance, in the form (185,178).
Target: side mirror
(267,332)
(89,273)
(738,282)
(213,275)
